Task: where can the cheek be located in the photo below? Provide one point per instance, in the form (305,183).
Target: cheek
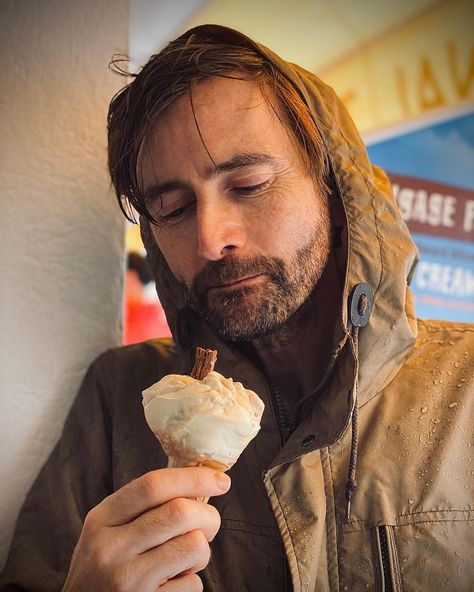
(178,254)
(292,214)
(287,228)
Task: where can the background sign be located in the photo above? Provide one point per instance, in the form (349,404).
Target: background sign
(432,173)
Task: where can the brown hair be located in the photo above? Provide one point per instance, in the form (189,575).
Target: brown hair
(168,75)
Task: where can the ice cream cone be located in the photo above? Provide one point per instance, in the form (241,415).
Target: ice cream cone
(202,422)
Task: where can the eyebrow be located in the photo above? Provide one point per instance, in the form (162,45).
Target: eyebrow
(238,161)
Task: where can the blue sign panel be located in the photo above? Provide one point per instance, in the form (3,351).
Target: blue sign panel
(432,173)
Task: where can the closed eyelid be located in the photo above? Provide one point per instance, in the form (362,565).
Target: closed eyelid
(248,179)
(251,177)
(170,202)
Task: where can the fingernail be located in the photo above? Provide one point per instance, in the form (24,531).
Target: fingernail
(222,481)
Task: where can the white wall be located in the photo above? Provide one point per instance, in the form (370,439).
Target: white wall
(61,234)
(153,23)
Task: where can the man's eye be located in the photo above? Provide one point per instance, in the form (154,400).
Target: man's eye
(248,189)
(174,214)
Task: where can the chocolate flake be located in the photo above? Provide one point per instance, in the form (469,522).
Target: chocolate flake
(205,361)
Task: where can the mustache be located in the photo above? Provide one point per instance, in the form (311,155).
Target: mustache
(229,270)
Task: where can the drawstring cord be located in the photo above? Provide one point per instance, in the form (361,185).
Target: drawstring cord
(351,483)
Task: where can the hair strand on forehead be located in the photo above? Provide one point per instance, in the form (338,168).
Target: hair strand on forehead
(198,127)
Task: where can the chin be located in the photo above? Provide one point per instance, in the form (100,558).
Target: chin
(247,314)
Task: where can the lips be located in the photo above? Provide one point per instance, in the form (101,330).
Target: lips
(228,276)
(236,283)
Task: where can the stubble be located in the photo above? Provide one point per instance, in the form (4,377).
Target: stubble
(257,310)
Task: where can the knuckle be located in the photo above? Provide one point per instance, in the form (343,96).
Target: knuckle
(198,547)
(99,556)
(215,516)
(179,510)
(150,485)
(91,522)
(195,583)
(198,478)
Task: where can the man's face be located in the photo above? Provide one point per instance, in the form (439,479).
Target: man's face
(241,223)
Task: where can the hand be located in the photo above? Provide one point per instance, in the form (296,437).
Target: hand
(148,535)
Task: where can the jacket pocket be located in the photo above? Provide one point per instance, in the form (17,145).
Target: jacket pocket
(386,561)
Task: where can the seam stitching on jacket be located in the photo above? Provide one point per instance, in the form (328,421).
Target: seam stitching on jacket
(412,514)
(438,521)
(413,524)
(447,519)
(288,532)
(333,562)
(371,195)
(434,512)
(395,560)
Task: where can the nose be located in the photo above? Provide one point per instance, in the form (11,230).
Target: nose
(220,229)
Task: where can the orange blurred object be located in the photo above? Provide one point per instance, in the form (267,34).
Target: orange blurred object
(143,319)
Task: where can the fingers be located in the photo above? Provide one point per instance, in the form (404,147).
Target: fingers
(149,533)
(170,520)
(156,488)
(188,583)
(179,557)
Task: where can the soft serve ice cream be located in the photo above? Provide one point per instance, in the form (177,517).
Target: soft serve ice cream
(202,422)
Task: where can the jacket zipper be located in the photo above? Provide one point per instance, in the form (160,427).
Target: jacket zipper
(287,425)
(385,558)
(284,430)
(284,426)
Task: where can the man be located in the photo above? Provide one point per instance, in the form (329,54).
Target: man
(274,241)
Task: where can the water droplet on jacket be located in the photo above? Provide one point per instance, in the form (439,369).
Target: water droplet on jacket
(410,501)
(424,409)
(456,364)
(454,404)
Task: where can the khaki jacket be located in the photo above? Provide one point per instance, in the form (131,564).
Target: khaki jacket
(284,521)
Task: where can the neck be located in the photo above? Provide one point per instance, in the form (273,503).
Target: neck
(295,358)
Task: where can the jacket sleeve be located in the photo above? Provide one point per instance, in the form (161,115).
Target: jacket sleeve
(76,477)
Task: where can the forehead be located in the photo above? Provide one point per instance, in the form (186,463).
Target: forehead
(218,119)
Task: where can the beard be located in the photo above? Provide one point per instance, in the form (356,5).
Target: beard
(260,308)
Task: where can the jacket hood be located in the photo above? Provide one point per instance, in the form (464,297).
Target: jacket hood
(380,251)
